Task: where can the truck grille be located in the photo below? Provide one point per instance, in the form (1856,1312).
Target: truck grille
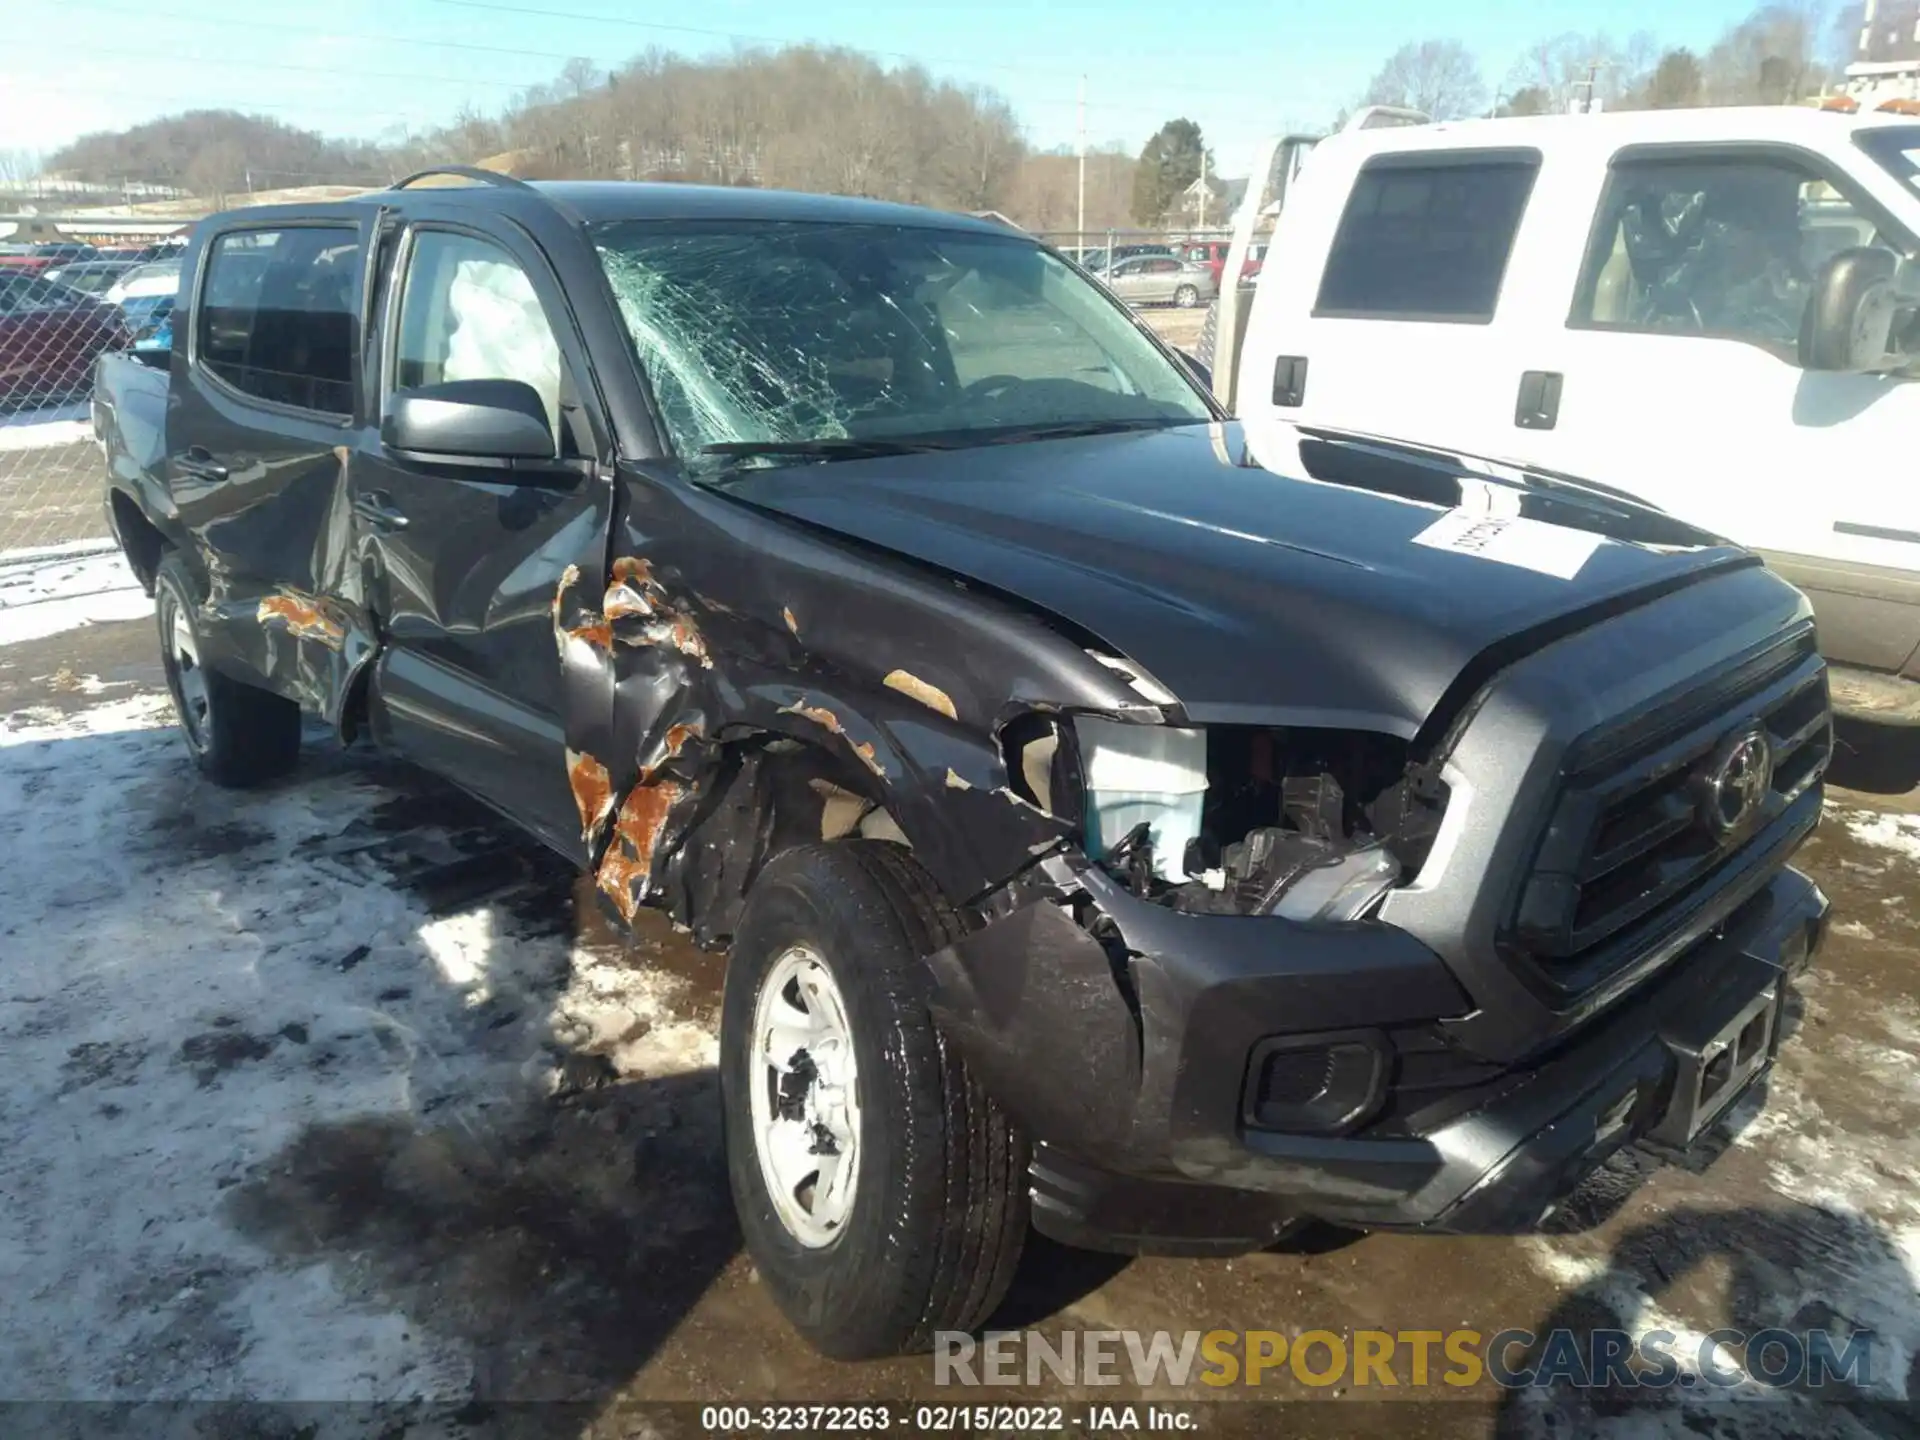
(1651,811)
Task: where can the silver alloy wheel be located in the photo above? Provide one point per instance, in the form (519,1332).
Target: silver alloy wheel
(804,1087)
(190,697)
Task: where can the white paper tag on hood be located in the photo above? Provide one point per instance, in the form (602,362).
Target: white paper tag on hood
(1512,540)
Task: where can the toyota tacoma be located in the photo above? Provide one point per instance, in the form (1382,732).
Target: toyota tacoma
(1119,822)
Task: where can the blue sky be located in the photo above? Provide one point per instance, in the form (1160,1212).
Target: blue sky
(358,67)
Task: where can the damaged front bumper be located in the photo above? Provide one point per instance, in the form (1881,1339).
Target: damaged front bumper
(1135,1065)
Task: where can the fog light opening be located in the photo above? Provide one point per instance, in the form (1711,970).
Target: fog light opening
(1317,1085)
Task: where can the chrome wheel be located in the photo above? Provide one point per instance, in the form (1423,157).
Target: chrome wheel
(805,1096)
(190,699)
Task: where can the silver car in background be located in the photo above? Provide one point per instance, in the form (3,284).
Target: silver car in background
(1159,280)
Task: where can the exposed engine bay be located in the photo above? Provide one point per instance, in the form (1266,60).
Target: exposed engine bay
(1244,820)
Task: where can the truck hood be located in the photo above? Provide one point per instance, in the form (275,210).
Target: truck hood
(1252,596)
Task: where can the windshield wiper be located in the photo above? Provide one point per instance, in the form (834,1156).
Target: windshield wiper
(1067,429)
(842,447)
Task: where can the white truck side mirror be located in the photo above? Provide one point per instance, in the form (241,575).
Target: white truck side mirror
(1859,298)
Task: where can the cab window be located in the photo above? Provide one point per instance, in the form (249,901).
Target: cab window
(1720,247)
(469,312)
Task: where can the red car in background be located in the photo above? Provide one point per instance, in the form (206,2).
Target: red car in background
(1213,255)
(49,338)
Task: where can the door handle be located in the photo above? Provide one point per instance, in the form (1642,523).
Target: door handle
(199,463)
(1537,407)
(376,507)
(1289,381)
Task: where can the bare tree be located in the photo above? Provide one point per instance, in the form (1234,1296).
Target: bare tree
(1574,68)
(1439,77)
(18,167)
(1769,58)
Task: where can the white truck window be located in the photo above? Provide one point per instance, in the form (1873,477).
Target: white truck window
(1726,248)
(1425,236)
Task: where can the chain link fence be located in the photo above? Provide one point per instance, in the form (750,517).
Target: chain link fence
(64,303)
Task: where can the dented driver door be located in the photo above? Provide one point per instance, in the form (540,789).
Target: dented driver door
(465,559)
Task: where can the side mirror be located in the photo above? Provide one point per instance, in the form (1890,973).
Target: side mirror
(1199,371)
(1848,325)
(470,419)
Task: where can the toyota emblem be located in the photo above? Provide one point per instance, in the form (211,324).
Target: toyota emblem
(1735,781)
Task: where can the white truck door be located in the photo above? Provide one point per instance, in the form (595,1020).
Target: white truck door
(1676,357)
(1381,303)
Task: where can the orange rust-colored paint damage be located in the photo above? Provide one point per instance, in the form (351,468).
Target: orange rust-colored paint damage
(303,617)
(671,744)
(592,792)
(931,696)
(683,635)
(632,570)
(595,632)
(626,872)
(830,722)
(786,613)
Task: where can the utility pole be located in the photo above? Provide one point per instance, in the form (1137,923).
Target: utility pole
(1080,210)
(1203,190)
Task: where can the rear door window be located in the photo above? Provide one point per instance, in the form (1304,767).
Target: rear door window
(1427,236)
(279,315)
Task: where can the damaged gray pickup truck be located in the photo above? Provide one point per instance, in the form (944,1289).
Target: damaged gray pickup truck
(1119,822)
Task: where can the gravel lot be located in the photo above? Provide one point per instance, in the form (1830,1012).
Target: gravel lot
(339,1091)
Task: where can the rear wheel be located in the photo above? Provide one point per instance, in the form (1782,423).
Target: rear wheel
(881,1192)
(1186,297)
(237,734)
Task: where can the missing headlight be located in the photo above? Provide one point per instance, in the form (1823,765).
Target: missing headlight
(1245,820)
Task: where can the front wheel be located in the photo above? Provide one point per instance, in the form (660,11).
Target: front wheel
(881,1192)
(237,734)
(1186,297)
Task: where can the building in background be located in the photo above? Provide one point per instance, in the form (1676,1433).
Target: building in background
(1886,54)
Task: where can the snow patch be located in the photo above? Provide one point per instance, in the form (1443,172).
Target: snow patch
(197,982)
(49,592)
(54,425)
(1898,833)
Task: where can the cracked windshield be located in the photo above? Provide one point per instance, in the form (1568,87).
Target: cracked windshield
(782,340)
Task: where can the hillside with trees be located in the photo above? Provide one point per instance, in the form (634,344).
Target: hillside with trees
(218,154)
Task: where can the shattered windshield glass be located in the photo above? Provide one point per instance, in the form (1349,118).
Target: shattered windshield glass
(758,336)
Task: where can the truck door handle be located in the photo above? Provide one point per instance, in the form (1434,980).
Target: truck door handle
(376,507)
(1538,405)
(1290,381)
(199,463)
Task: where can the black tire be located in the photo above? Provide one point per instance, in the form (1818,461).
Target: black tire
(939,1203)
(1186,297)
(238,735)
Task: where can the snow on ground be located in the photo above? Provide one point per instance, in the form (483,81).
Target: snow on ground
(37,429)
(247,1033)
(43,592)
(1810,1217)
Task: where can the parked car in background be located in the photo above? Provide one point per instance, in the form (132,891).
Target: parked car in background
(38,259)
(89,277)
(1159,280)
(1213,254)
(145,293)
(49,338)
